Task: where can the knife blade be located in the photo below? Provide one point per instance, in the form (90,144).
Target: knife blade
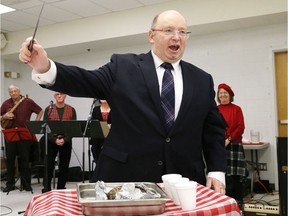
(30,46)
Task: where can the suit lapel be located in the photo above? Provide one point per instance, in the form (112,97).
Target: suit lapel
(147,66)
(188,91)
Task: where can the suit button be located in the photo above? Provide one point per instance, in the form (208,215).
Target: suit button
(160,163)
(168,140)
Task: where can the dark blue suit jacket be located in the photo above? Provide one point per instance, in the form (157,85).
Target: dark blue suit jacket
(138,147)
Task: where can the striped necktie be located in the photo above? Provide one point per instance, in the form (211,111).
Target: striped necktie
(168,95)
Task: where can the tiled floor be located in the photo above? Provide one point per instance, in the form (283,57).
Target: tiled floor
(16,201)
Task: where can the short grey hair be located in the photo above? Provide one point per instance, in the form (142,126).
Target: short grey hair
(12,87)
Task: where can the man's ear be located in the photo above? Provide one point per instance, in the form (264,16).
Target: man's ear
(150,36)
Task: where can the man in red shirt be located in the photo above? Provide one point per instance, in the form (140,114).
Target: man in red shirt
(15,111)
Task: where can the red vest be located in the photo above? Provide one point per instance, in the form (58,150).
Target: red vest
(67,114)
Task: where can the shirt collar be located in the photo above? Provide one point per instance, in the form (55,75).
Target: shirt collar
(158,61)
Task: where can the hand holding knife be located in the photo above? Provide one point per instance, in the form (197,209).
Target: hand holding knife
(30,47)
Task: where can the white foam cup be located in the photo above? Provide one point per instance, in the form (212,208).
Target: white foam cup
(165,182)
(173,190)
(187,194)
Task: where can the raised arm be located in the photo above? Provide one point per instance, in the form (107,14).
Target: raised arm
(37,58)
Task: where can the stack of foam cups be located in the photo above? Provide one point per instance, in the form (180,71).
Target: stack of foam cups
(187,194)
(173,190)
(180,190)
(166,184)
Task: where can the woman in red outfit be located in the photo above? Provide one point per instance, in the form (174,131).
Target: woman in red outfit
(233,141)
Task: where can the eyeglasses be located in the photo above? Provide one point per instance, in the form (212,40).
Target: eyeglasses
(170,32)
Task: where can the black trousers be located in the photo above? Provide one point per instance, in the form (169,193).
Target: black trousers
(96,147)
(22,149)
(64,161)
(234,187)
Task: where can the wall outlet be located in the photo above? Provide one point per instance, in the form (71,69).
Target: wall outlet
(262,166)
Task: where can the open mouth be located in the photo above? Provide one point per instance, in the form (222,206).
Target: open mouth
(174,47)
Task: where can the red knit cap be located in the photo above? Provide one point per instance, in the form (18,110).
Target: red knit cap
(226,87)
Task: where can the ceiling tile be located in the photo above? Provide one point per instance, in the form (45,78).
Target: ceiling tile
(12,2)
(20,17)
(7,26)
(20,5)
(116,5)
(151,2)
(56,14)
(86,8)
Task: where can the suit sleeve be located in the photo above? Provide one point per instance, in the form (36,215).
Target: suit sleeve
(214,137)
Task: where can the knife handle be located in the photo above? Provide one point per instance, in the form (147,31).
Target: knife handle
(30,46)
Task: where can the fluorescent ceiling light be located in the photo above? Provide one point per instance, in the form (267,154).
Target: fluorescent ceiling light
(5,9)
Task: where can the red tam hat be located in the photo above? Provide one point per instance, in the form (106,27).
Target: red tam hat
(226,87)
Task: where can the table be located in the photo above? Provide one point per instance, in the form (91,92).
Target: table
(254,147)
(64,202)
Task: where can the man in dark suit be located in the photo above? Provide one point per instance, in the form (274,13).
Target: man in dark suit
(139,146)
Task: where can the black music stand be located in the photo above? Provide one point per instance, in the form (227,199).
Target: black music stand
(78,128)
(97,129)
(18,134)
(41,127)
(71,128)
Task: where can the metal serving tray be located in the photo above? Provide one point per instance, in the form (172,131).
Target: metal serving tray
(90,206)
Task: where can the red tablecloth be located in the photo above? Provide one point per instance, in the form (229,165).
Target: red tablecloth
(64,202)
